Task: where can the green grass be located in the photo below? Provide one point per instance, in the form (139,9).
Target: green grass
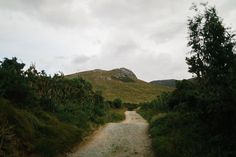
(36,132)
(173,134)
(135,92)
(116,115)
(39,132)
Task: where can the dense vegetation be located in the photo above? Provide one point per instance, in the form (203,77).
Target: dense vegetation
(45,115)
(198,118)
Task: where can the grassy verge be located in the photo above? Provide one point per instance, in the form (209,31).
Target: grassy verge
(36,132)
(116,115)
(175,135)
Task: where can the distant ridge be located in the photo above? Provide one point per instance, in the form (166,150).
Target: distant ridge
(121,83)
(169,82)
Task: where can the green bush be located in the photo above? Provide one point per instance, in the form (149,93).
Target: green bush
(117,103)
(8,139)
(174,135)
(46,114)
(130,106)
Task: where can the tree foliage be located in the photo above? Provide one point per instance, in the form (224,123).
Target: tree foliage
(212,60)
(212,47)
(201,113)
(117,103)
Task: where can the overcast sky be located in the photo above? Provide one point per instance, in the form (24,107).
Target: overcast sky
(147,36)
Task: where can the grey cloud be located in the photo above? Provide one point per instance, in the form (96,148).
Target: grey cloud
(167,32)
(80,59)
(60,57)
(147,36)
(125,48)
(229,5)
(121,48)
(138,9)
(161,66)
(54,12)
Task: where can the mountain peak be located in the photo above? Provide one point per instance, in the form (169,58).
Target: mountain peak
(124,74)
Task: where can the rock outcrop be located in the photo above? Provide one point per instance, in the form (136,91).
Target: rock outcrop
(123,74)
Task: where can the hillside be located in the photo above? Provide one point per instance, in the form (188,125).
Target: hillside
(121,83)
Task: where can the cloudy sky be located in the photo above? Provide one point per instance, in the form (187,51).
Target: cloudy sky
(147,36)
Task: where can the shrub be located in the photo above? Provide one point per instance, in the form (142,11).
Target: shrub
(130,106)
(117,103)
(175,135)
(46,115)
(8,140)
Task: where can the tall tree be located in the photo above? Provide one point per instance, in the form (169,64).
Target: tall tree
(212,60)
(13,84)
(212,48)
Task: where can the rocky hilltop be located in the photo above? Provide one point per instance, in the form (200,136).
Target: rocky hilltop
(121,83)
(119,74)
(123,73)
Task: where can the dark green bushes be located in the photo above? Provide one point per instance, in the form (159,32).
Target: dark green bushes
(173,136)
(33,130)
(186,127)
(45,115)
(130,106)
(198,118)
(116,103)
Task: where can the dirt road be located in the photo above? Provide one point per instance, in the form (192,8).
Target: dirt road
(126,139)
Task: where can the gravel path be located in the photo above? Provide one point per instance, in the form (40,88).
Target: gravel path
(126,139)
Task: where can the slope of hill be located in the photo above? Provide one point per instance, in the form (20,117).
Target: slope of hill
(121,83)
(169,83)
